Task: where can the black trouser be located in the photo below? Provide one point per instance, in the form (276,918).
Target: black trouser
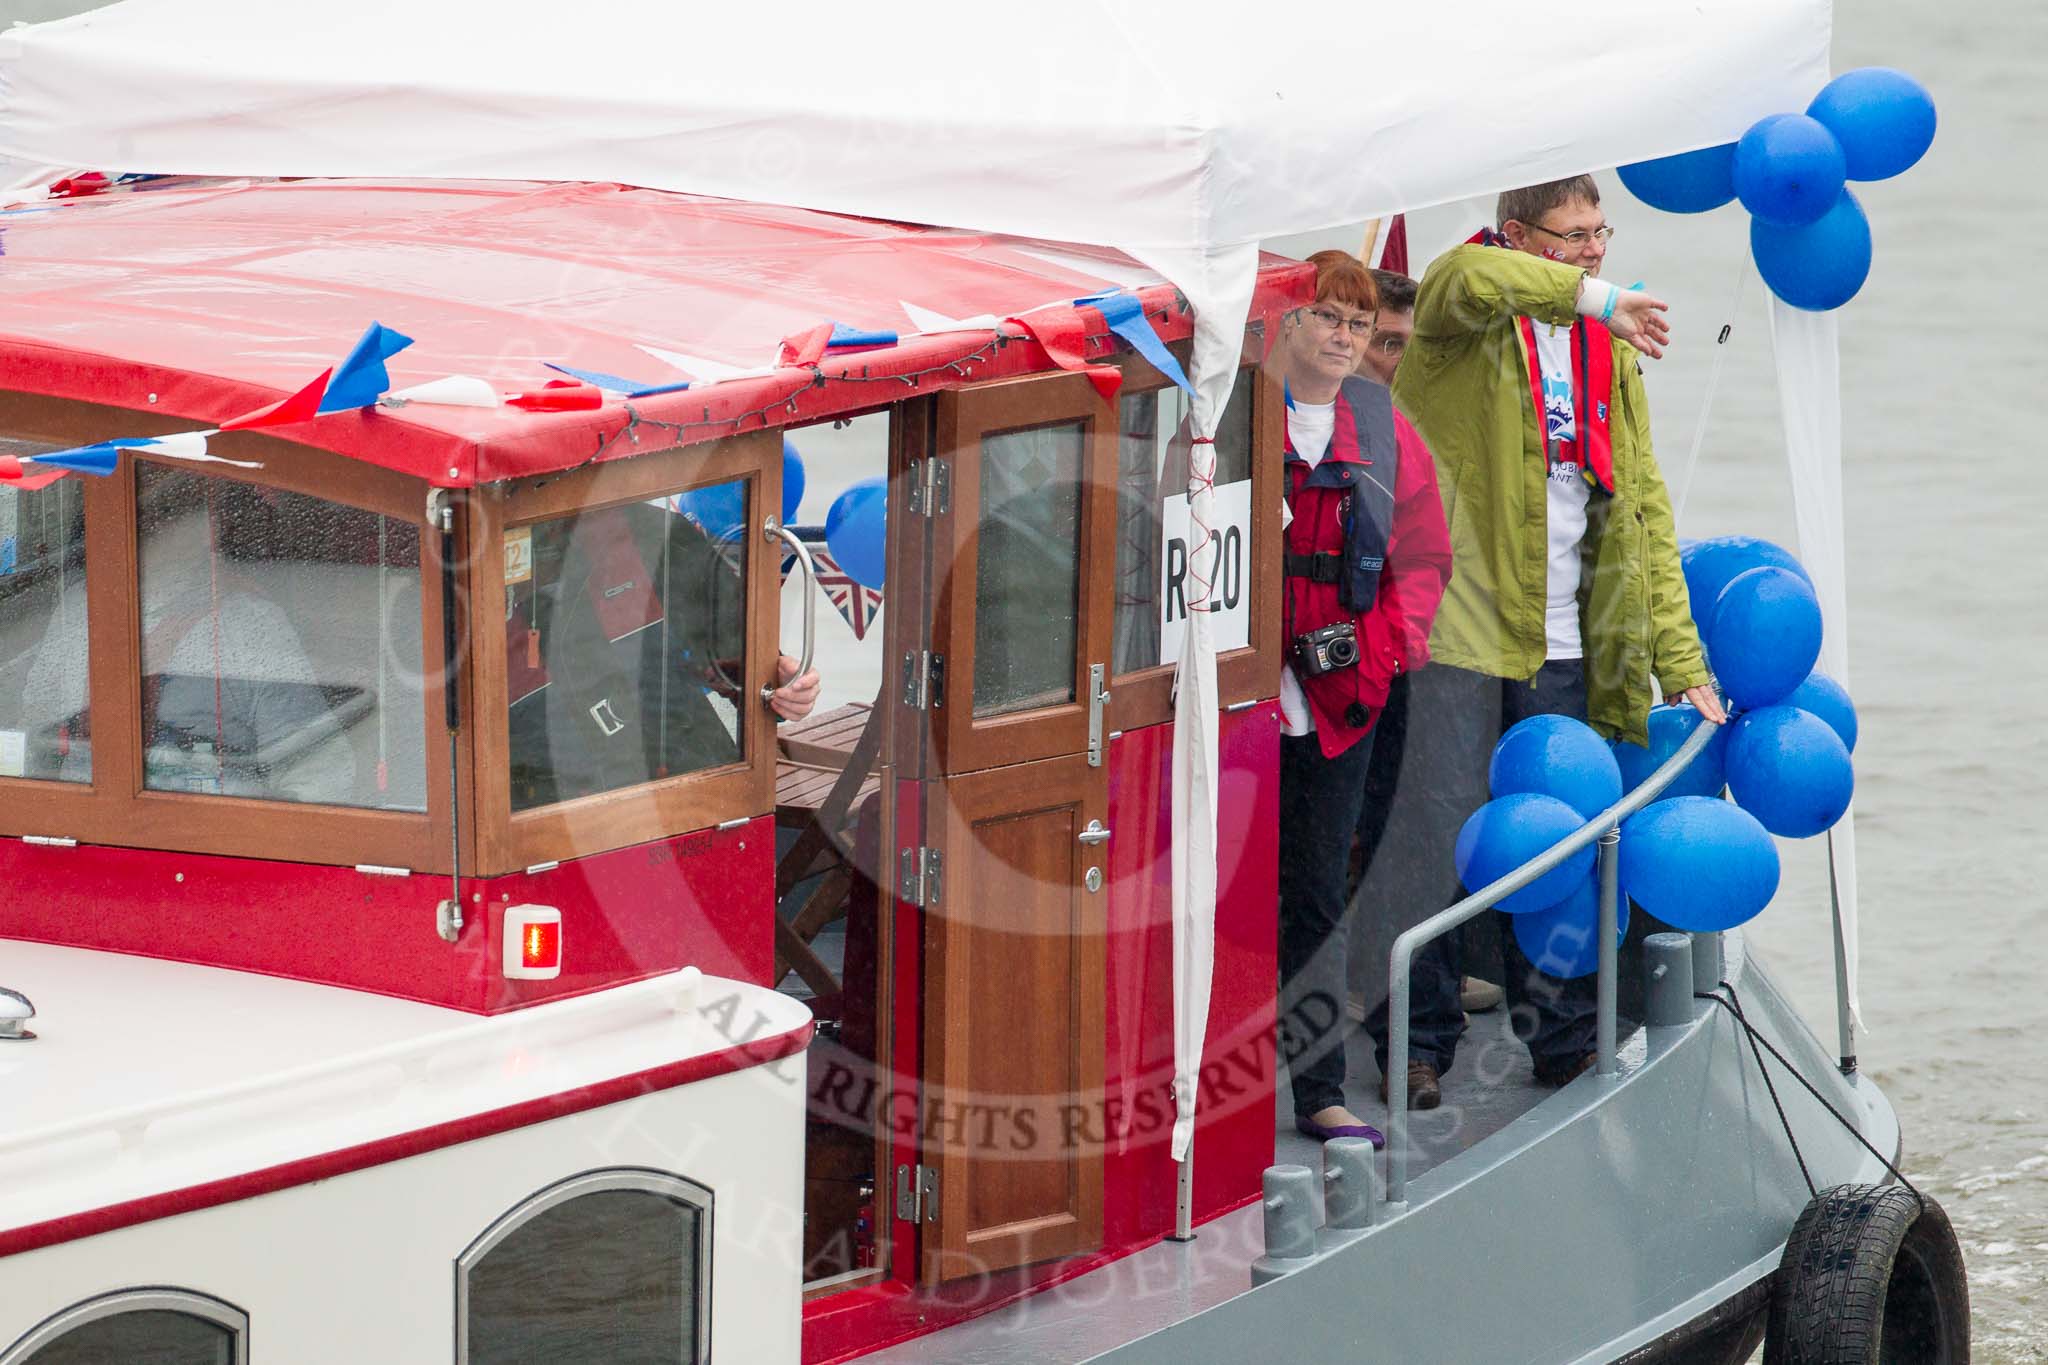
(1319,804)
(1455,717)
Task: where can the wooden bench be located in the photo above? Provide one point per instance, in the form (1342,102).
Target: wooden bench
(826,772)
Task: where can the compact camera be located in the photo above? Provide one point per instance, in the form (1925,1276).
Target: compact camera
(1326,650)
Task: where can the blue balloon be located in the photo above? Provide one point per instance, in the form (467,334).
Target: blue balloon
(1510,830)
(1829,700)
(1818,266)
(1670,727)
(792,481)
(1711,565)
(720,508)
(1789,770)
(1883,118)
(1765,636)
(1556,756)
(1691,182)
(1563,941)
(1697,863)
(1789,169)
(856,531)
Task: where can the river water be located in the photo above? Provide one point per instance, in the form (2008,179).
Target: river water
(1948,609)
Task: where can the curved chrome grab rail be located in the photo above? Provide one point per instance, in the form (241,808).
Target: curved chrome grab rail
(775,530)
(1605,827)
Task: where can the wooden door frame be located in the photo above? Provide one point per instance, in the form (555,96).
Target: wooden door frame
(1144,696)
(507,840)
(960,742)
(953,806)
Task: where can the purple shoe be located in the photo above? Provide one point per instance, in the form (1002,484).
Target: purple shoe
(1341,1130)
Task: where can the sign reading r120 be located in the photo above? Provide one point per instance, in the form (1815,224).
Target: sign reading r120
(1223,561)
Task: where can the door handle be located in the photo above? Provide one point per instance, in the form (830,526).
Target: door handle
(1096,833)
(775,530)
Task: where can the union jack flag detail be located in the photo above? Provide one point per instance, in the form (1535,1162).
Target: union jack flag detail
(860,605)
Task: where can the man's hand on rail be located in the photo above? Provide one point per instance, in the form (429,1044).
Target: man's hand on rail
(794,696)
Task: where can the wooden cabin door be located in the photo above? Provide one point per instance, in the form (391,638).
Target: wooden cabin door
(1016,810)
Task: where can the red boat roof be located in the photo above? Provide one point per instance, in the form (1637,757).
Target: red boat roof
(203,300)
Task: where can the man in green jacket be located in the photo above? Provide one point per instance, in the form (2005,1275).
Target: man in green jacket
(1566,597)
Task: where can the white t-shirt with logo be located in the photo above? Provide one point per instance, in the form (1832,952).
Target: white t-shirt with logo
(1568,494)
(1310,427)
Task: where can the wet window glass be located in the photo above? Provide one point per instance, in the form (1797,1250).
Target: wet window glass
(280,645)
(604,1278)
(147,1337)
(625,632)
(1151,522)
(42,629)
(1027,584)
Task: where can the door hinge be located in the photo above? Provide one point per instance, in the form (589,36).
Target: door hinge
(917,665)
(917,1194)
(924,680)
(918,878)
(931,487)
(50,840)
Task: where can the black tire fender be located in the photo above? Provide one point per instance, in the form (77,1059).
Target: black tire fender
(1871,1275)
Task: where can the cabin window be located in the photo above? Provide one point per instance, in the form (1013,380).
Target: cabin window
(608,1266)
(160,1326)
(280,645)
(42,630)
(625,634)
(1028,579)
(1152,525)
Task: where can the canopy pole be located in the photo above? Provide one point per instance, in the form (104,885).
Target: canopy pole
(1184,1199)
(1372,239)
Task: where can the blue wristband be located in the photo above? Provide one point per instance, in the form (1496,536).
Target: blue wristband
(1608,311)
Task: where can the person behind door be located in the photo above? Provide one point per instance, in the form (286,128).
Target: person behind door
(1523,376)
(1366,560)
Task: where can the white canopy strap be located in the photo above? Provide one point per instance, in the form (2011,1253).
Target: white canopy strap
(1219,285)
(1810,399)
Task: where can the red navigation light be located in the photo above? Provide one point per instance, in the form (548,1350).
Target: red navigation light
(541,946)
(533,942)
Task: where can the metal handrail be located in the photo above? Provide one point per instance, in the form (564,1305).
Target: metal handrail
(1604,827)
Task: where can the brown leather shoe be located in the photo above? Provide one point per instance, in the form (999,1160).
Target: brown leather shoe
(1424,1090)
(1566,1075)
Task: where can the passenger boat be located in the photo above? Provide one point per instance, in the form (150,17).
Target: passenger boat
(423,940)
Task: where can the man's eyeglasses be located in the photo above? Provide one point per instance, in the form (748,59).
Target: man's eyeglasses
(1575,239)
(1361,327)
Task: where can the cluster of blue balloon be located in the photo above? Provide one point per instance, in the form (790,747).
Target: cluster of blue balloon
(855,526)
(1692,859)
(1807,231)
(1788,751)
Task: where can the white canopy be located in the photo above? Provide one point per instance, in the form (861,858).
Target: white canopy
(1180,134)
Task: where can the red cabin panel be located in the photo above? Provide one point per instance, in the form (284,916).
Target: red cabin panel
(698,899)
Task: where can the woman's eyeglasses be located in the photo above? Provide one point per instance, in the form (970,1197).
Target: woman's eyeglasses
(1360,327)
